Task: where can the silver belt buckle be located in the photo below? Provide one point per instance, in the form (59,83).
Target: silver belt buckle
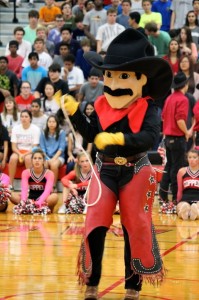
(119,160)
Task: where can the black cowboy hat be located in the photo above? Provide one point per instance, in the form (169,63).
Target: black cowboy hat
(132,51)
(179,81)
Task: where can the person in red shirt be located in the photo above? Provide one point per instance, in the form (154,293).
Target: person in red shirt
(173,55)
(174,116)
(14,60)
(24,100)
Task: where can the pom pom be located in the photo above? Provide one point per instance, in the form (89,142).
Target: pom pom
(75,205)
(167,208)
(30,208)
(5,194)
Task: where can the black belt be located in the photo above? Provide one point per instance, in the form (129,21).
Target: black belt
(120,160)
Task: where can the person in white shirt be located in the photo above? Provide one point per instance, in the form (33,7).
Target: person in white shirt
(45,60)
(24,137)
(24,46)
(73,75)
(38,117)
(107,32)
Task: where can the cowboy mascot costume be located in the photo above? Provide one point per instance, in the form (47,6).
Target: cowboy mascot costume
(124,125)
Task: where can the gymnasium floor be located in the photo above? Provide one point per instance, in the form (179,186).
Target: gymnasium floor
(38,258)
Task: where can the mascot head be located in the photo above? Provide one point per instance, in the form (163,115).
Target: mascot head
(130,70)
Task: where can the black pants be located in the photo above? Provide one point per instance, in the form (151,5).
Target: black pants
(175,153)
(96,243)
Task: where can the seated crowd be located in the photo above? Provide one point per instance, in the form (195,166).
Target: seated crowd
(47,57)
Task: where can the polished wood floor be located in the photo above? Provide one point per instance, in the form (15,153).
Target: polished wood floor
(38,258)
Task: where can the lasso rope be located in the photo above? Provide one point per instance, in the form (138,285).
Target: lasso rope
(82,149)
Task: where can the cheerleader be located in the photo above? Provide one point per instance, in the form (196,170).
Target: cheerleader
(36,184)
(188,188)
(74,186)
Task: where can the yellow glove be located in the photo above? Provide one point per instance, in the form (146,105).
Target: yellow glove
(104,139)
(70,104)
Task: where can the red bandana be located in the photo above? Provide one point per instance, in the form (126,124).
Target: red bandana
(108,115)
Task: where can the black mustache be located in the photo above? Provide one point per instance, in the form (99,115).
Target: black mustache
(117,92)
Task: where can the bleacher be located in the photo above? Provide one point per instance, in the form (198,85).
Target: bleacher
(8,21)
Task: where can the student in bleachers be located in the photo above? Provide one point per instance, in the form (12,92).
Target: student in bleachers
(123,18)
(134,20)
(74,186)
(4,140)
(14,60)
(33,73)
(159,39)
(78,32)
(173,55)
(24,137)
(163,7)
(149,16)
(80,60)
(69,19)
(38,117)
(64,50)
(48,12)
(187,47)
(24,46)
(91,89)
(50,105)
(25,97)
(192,22)
(53,77)
(37,183)
(79,8)
(89,4)
(54,34)
(92,20)
(179,10)
(108,31)
(10,115)
(187,67)
(41,32)
(30,30)
(8,81)
(45,60)
(136,6)
(72,74)
(53,144)
(66,35)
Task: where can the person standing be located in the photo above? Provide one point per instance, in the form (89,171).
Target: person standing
(123,126)
(174,116)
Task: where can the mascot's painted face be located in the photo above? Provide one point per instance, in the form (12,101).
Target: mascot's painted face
(122,88)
